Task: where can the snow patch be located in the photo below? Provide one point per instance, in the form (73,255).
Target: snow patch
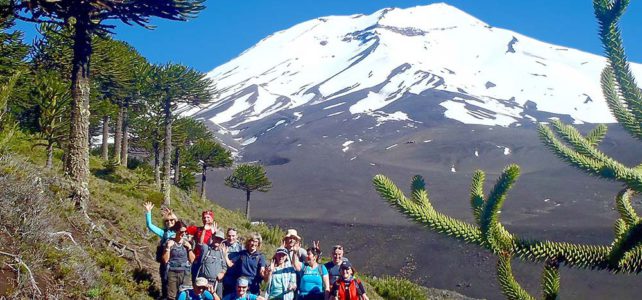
(275,125)
(249,141)
(346,145)
(333,106)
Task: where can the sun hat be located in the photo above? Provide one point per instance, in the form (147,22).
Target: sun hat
(242,281)
(201,281)
(292,233)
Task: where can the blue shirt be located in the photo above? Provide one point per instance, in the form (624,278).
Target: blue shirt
(155,229)
(311,280)
(189,295)
(247,296)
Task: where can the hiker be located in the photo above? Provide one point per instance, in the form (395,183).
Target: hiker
(202,236)
(231,241)
(335,263)
(178,255)
(280,277)
(213,264)
(314,283)
(169,219)
(249,263)
(242,291)
(290,241)
(347,287)
(199,292)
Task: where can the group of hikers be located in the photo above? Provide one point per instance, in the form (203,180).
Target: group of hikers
(202,262)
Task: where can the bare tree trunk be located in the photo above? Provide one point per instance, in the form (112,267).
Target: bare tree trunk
(247,204)
(118,133)
(177,165)
(157,179)
(50,147)
(125,142)
(167,153)
(203,180)
(105,146)
(77,166)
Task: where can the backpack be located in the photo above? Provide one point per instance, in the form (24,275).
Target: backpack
(160,248)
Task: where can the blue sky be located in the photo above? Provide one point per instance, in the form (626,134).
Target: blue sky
(227,27)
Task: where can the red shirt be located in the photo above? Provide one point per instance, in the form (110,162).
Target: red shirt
(197,231)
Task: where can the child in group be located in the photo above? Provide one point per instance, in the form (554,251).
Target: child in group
(347,287)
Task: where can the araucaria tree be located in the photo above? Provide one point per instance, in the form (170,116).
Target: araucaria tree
(87,18)
(249,178)
(623,255)
(210,154)
(175,84)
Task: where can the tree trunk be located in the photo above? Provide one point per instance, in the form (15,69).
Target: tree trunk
(203,180)
(77,166)
(157,179)
(125,142)
(247,204)
(167,153)
(118,133)
(105,146)
(50,147)
(177,165)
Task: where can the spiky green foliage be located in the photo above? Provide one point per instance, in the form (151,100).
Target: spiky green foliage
(623,255)
(6,130)
(85,19)
(249,178)
(210,154)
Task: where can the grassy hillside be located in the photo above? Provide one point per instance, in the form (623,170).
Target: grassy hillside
(51,249)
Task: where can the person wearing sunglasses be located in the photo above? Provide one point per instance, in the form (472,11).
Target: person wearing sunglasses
(199,292)
(169,219)
(178,256)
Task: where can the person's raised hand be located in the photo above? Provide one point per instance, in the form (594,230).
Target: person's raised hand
(148,206)
(170,243)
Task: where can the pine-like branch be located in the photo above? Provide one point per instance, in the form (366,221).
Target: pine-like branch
(621,113)
(551,279)
(510,287)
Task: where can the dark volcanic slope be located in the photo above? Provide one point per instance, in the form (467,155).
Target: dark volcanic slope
(327,193)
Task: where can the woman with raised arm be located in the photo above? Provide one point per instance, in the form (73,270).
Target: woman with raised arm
(314,280)
(169,219)
(178,256)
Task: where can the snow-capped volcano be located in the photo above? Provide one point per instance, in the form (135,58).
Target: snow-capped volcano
(360,65)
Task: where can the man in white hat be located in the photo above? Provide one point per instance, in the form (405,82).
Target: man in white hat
(199,292)
(292,242)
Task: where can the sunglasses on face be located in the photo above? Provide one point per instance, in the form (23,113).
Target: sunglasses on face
(337,247)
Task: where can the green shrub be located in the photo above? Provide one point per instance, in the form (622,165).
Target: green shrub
(395,288)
